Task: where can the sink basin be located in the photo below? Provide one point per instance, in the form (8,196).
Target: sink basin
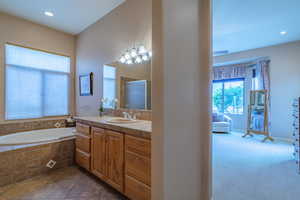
(121,120)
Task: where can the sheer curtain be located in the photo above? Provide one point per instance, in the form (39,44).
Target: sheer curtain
(37,83)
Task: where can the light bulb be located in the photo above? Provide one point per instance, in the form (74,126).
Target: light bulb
(145,57)
(142,50)
(122,59)
(138,60)
(127,56)
(49,14)
(133,53)
(283,32)
(150,54)
(129,62)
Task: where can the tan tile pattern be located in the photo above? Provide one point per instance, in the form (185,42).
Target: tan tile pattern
(20,126)
(68,183)
(25,162)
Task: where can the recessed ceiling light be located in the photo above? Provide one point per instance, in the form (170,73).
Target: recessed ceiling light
(283,33)
(49,14)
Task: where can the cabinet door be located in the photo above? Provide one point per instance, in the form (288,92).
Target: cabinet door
(136,190)
(82,159)
(83,142)
(99,157)
(115,154)
(138,167)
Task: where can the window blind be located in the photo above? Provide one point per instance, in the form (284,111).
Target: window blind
(37,83)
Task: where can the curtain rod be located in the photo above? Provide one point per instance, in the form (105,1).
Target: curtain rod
(250,61)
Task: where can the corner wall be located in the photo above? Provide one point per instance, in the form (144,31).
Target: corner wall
(181,138)
(285,82)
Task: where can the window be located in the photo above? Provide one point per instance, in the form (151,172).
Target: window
(109,86)
(228,96)
(37,83)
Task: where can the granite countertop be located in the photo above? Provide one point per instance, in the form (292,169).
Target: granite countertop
(141,128)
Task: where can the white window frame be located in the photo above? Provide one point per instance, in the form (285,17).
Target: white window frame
(69,75)
(116,86)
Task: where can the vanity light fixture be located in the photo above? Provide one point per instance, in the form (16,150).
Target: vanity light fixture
(138,59)
(129,62)
(49,14)
(127,55)
(283,33)
(142,50)
(122,59)
(135,55)
(145,57)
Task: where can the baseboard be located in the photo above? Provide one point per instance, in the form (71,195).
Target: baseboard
(289,140)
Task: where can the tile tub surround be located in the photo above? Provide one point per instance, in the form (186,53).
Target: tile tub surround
(28,161)
(9,127)
(141,128)
(140,114)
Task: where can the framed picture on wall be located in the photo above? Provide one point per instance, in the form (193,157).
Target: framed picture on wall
(86,84)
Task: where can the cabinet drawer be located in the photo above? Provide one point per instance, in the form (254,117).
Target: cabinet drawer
(83,129)
(136,190)
(138,145)
(138,167)
(83,159)
(83,143)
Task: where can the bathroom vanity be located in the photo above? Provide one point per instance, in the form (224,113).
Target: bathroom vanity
(117,153)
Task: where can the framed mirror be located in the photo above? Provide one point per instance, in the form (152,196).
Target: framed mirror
(258,114)
(127,86)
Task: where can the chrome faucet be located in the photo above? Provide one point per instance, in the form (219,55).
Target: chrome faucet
(126,115)
(130,116)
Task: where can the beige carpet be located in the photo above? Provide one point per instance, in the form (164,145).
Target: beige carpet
(247,169)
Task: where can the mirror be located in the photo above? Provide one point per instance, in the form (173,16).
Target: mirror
(129,84)
(257,111)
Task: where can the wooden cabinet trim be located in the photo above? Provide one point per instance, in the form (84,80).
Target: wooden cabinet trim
(136,190)
(138,145)
(115,159)
(83,143)
(82,159)
(83,128)
(98,153)
(138,167)
(97,129)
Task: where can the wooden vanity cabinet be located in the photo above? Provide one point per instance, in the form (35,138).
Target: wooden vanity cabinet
(121,160)
(83,150)
(99,157)
(108,157)
(137,168)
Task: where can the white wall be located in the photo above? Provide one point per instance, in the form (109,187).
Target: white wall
(285,82)
(181,100)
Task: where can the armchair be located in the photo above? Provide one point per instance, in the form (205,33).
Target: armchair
(221,123)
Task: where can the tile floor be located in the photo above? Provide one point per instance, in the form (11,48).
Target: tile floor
(69,183)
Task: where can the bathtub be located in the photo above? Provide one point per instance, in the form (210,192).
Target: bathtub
(27,154)
(37,136)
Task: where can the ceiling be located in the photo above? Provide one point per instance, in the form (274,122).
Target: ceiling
(71,16)
(240,25)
